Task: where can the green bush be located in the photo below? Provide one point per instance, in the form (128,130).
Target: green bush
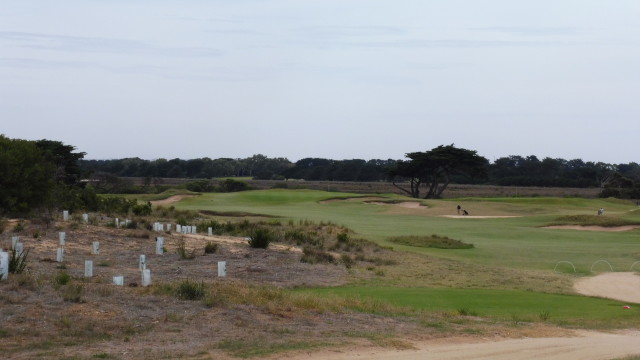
(260,238)
(210,248)
(200,186)
(191,290)
(62,278)
(141,209)
(231,185)
(343,237)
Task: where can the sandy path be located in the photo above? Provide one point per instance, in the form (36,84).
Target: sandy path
(478,217)
(170,200)
(623,286)
(586,346)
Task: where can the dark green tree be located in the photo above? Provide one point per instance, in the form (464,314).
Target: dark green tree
(434,169)
(26,176)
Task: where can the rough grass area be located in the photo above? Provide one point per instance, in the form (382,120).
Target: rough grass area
(433,241)
(594,220)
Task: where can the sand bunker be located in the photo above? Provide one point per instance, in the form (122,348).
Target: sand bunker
(405,204)
(623,286)
(594,227)
(170,200)
(375,200)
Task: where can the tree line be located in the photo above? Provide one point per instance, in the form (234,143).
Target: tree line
(505,171)
(44,175)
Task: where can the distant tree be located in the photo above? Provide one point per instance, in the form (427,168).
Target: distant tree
(434,169)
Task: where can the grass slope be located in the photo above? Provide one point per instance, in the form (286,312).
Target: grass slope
(517,242)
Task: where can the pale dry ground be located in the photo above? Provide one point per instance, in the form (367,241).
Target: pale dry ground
(478,217)
(594,227)
(170,200)
(623,286)
(585,345)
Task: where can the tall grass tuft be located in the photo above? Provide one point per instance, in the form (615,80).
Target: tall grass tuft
(18,261)
(191,290)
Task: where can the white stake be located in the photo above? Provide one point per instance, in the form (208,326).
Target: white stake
(4,265)
(63,236)
(159,245)
(65,215)
(142,263)
(60,255)
(95,248)
(118,280)
(146,277)
(222,268)
(88,268)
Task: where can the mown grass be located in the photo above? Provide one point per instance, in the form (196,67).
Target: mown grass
(501,305)
(518,242)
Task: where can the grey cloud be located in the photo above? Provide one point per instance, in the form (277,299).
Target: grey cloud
(100,45)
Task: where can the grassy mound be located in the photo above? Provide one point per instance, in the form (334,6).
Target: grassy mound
(432,241)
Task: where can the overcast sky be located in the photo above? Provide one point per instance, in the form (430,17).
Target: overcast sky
(337,79)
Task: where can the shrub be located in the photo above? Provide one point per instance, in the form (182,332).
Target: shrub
(73,293)
(210,248)
(231,185)
(316,256)
(18,261)
(260,238)
(3,224)
(343,237)
(182,251)
(62,278)
(191,290)
(347,261)
(19,227)
(142,209)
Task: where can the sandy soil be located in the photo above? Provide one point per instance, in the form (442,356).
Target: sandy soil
(623,286)
(594,227)
(170,200)
(477,217)
(405,204)
(585,346)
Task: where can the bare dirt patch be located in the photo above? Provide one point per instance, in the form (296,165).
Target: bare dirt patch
(478,217)
(623,286)
(170,200)
(594,227)
(584,345)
